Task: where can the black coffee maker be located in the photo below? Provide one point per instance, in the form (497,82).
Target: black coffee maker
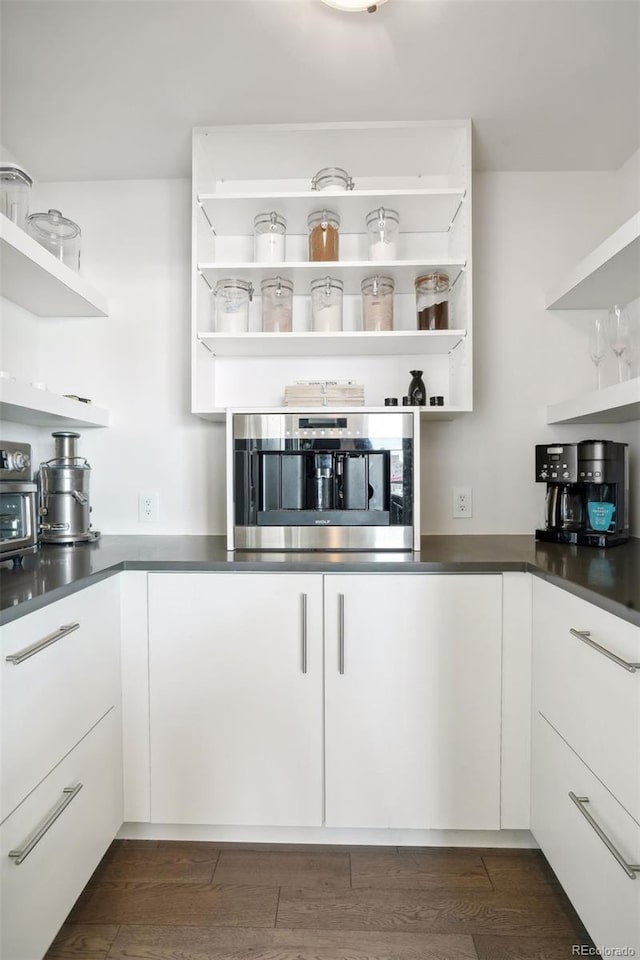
(587,498)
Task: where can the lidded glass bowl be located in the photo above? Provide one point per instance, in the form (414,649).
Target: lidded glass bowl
(59,236)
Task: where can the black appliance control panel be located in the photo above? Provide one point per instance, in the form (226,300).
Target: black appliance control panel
(557,463)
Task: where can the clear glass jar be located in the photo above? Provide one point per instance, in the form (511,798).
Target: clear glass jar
(15,189)
(383,226)
(324,235)
(432,301)
(332,178)
(377,303)
(326,304)
(60,236)
(231,300)
(277,305)
(269,237)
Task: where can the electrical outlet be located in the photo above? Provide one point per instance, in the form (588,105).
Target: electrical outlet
(148,507)
(462,503)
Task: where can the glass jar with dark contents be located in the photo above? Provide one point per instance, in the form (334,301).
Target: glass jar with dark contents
(432,301)
(324,227)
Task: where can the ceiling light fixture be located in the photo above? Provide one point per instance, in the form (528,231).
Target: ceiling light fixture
(355,6)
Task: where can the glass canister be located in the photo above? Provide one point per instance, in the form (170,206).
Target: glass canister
(432,301)
(277,305)
(326,304)
(15,189)
(332,178)
(324,234)
(377,303)
(383,226)
(231,300)
(269,237)
(60,236)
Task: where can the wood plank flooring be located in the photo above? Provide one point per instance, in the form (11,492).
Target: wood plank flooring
(160,900)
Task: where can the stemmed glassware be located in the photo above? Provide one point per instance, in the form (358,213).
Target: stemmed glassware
(598,343)
(619,333)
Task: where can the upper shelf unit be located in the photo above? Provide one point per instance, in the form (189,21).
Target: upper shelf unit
(618,403)
(609,274)
(31,277)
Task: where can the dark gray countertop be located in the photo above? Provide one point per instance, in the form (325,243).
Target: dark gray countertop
(608,578)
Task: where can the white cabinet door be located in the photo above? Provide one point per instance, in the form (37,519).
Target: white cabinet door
(236,698)
(413,722)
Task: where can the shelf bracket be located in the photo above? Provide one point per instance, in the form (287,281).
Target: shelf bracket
(204,277)
(206,216)
(457,210)
(460,272)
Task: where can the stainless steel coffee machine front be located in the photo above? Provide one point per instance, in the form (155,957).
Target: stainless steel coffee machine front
(323,480)
(64,494)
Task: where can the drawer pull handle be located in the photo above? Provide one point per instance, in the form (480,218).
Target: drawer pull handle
(70,793)
(304,633)
(61,632)
(341,633)
(585,636)
(631,869)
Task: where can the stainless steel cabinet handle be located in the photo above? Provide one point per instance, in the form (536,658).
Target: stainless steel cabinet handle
(304,633)
(19,856)
(631,869)
(341,632)
(39,645)
(585,636)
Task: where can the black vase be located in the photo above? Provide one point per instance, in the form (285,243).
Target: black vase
(417,391)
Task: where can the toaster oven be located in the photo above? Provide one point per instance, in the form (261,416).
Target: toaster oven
(18,503)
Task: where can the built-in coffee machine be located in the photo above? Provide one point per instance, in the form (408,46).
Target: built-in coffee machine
(316,480)
(587,499)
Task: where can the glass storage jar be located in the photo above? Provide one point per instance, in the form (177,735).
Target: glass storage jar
(324,233)
(277,305)
(326,304)
(60,236)
(432,301)
(332,178)
(269,236)
(377,303)
(231,300)
(382,227)
(15,188)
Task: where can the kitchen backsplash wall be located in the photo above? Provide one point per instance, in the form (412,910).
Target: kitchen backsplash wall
(528,229)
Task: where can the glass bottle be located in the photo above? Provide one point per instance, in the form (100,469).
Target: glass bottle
(377,303)
(417,391)
(332,178)
(277,305)
(15,188)
(432,301)
(269,238)
(231,300)
(59,236)
(324,234)
(382,227)
(326,304)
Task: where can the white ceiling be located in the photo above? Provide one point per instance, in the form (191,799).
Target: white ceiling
(101,89)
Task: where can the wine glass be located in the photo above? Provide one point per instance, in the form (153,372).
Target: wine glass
(619,332)
(598,343)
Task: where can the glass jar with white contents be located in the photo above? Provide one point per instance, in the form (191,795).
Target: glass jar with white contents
(332,178)
(277,305)
(326,305)
(231,300)
(269,238)
(377,303)
(383,226)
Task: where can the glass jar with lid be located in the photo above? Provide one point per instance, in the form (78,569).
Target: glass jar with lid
(377,303)
(332,178)
(277,305)
(324,235)
(382,227)
(432,301)
(231,299)
(60,236)
(15,189)
(326,304)
(269,237)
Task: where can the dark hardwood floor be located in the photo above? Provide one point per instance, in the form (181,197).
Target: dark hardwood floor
(204,901)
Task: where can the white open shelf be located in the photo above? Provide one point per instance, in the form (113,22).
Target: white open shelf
(22,403)
(428,210)
(357,343)
(609,274)
(616,404)
(442,414)
(32,277)
(350,272)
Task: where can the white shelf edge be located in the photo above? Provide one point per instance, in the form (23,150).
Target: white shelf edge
(324,265)
(618,403)
(606,252)
(318,195)
(38,266)
(357,342)
(443,414)
(22,403)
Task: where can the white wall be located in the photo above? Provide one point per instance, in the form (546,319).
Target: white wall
(136,248)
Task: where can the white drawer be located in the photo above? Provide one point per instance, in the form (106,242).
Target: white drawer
(592,701)
(606,899)
(38,893)
(51,699)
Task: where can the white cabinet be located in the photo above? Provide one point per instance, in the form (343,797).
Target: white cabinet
(412,681)
(421,170)
(236,698)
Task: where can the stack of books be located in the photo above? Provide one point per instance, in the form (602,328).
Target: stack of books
(324,393)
